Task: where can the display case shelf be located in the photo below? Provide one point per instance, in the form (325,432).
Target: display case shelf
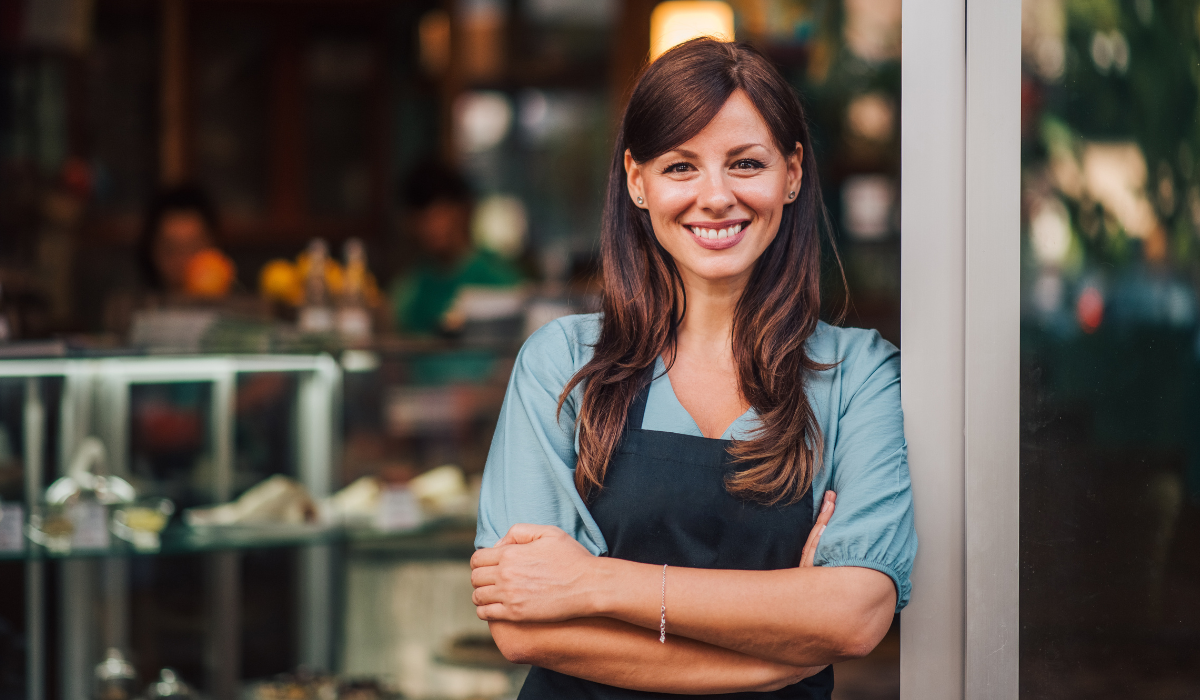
(447,537)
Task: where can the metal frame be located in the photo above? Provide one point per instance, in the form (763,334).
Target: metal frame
(960,363)
(95,400)
(993,355)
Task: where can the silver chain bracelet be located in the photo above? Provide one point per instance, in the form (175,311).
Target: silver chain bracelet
(662,623)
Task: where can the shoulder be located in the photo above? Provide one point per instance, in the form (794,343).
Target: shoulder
(853,349)
(565,343)
(859,356)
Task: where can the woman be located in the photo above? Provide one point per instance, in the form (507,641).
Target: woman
(695,431)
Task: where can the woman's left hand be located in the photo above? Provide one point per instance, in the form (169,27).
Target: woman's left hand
(536,573)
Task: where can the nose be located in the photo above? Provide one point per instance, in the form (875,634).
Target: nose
(715,195)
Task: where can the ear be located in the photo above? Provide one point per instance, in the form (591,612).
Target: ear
(795,171)
(633,180)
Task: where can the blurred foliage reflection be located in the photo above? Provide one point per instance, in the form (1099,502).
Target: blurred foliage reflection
(1110,445)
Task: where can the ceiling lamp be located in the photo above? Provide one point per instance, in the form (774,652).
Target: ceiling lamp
(674,22)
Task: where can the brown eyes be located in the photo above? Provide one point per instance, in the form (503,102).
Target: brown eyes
(743,165)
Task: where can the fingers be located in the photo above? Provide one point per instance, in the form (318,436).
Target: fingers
(827,506)
(810,548)
(491,612)
(486,595)
(524,533)
(486,557)
(485,576)
(809,553)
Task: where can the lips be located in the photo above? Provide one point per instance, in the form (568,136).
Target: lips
(720,235)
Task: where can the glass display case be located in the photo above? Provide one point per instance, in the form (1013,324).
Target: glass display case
(83,590)
(375,591)
(68,402)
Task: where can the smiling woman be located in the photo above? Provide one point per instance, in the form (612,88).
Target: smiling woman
(696,431)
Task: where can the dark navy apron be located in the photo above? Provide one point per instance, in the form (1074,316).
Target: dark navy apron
(664,502)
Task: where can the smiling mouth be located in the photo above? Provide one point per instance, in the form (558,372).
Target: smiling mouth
(715,234)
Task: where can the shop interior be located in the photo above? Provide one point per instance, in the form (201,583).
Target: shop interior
(264,269)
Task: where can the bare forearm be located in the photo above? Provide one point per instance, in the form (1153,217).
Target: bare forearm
(803,616)
(617,653)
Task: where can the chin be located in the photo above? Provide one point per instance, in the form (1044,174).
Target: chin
(723,271)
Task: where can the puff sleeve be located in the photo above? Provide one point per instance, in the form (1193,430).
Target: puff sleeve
(867,463)
(530,472)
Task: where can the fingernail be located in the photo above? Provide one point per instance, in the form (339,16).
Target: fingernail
(825,507)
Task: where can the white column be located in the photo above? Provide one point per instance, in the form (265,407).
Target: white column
(993,354)
(932,119)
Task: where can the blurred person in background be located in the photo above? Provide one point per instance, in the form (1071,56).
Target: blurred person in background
(179,223)
(439,205)
(177,259)
(176,250)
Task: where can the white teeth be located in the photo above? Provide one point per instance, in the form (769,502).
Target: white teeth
(716,233)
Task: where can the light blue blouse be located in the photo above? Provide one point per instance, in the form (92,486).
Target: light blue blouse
(529,477)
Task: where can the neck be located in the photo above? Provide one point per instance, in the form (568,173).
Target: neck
(707,324)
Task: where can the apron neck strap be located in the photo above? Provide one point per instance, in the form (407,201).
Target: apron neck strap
(637,408)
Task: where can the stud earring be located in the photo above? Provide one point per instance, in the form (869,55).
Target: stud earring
(639,200)
(791,195)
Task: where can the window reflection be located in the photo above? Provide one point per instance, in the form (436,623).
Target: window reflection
(1110,445)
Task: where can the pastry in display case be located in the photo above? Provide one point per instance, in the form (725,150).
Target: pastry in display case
(83,507)
(115,678)
(169,686)
(141,522)
(305,685)
(278,500)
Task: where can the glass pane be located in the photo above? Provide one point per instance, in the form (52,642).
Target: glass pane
(232,93)
(1110,446)
(340,75)
(122,101)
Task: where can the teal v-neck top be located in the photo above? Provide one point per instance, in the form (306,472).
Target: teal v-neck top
(529,477)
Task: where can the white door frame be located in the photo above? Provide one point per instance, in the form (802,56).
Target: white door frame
(960,349)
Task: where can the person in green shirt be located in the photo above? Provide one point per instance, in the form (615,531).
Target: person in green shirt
(439,204)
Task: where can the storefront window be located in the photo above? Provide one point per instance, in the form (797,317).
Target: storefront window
(1110,446)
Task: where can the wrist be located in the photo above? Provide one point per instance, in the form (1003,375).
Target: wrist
(602,598)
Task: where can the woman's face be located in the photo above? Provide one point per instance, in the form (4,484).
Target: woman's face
(716,201)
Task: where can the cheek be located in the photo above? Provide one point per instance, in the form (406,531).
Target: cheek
(670,202)
(762,196)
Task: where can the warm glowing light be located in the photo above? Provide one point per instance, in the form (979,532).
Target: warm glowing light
(673,23)
(433,36)
(1090,309)
(1115,175)
(1050,232)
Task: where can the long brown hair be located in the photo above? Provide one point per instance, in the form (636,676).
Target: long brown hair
(643,300)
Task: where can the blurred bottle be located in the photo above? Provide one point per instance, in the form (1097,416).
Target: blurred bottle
(353,319)
(316,316)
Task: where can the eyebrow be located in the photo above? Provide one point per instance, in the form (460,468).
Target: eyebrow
(732,152)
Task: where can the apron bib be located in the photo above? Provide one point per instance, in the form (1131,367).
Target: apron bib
(664,502)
